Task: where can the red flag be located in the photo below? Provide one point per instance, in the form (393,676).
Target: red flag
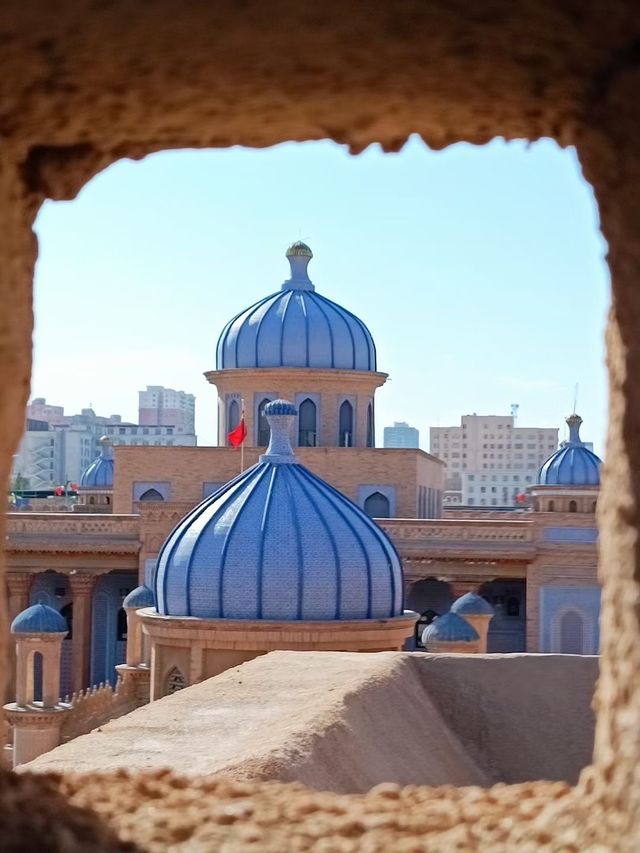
(58,491)
(238,435)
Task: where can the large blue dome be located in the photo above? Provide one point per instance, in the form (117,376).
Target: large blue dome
(99,474)
(296,327)
(278,543)
(573,464)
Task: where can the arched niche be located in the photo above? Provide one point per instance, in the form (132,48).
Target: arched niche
(377,505)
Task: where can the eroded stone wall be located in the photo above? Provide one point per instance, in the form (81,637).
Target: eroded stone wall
(84,83)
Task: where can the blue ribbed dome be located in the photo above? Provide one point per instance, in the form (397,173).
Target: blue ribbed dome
(139,597)
(278,543)
(573,464)
(449,628)
(471,604)
(296,327)
(99,475)
(39,619)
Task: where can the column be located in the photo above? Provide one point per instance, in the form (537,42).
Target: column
(18,589)
(81,584)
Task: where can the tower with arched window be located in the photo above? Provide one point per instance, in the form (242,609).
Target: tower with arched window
(297,344)
(569,480)
(36,715)
(95,492)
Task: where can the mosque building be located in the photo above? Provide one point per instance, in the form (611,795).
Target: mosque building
(536,568)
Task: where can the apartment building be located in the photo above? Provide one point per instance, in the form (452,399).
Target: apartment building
(490,459)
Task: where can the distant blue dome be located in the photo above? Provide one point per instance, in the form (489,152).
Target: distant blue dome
(99,475)
(139,597)
(573,464)
(449,628)
(39,619)
(471,604)
(278,543)
(296,327)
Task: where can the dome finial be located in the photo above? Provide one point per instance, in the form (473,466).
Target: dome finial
(299,255)
(574,423)
(281,415)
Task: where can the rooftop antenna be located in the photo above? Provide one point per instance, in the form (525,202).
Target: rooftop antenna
(514,412)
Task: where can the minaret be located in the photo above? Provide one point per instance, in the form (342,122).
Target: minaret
(135,672)
(38,630)
(475,610)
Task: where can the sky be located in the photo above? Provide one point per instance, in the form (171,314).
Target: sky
(480,272)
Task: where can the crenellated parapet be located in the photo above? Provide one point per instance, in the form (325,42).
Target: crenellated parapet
(95,706)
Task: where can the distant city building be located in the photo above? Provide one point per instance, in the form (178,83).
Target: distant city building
(56,448)
(401,435)
(490,459)
(35,462)
(159,406)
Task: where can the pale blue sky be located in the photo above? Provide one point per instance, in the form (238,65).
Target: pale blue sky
(479,270)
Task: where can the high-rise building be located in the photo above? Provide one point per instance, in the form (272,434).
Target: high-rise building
(490,459)
(401,435)
(158,406)
(56,448)
(34,465)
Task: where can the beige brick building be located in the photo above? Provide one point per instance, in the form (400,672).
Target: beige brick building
(490,459)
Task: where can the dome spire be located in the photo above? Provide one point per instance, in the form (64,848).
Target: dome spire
(299,255)
(574,422)
(281,415)
(106,450)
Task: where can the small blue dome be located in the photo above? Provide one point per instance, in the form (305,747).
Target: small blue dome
(471,604)
(573,464)
(99,475)
(139,597)
(296,327)
(278,543)
(39,619)
(449,628)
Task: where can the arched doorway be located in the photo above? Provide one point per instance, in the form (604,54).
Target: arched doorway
(572,633)
(507,629)
(429,596)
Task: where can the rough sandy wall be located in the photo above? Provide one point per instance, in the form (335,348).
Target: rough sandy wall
(84,83)
(346,722)
(519,717)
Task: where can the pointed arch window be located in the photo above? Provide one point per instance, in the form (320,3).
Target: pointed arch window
(175,681)
(377,506)
(370,432)
(233,417)
(307,424)
(151,495)
(345,425)
(263,424)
